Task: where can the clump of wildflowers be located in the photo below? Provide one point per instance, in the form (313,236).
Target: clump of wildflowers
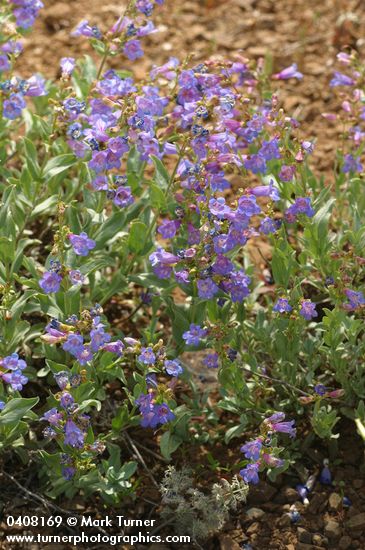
(11,371)
(262,451)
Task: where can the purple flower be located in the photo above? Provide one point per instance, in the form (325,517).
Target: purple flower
(66,400)
(81,244)
(256,164)
(73,435)
(168,228)
(73,344)
(308,310)
(123,197)
(67,65)
(62,379)
(53,416)
(276,424)
(16,379)
(160,256)
(211,360)
(252,449)
(84,29)
(182,277)
(266,191)
(288,72)
(163,414)
(250,473)
(302,205)
(351,164)
(98,338)
(133,50)
(340,79)
(268,225)
(222,265)
(356,299)
(2,405)
(114,347)
(270,149)
(282,306)
(219,208)
(320,389)
(76,277)
(68,472)
(12,107)
(84,355)
(248,205)
(4,63)
(272,461)
(173,367)
(207,288)
(287,173)
(147,356)
(12,362)
(50,282)
(194,335)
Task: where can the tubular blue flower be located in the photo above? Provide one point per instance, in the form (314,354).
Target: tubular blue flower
(211,360)
(288,72)
(356,299)
(73,343)
(351,165)
(68,65)
(76,277)
(250,473)
(62,379)
(147,356)
(282,306)
(4,63)
(53,416)
(81,244)
(168,228)
(308,310)
(276,424)
(206,288)
(68,472)
(173,367)
(123,197)
(340,79)
(133,50)
(50,282)
(84,355)
(12,362)
(13,107)
(73,435)
(16,379)
(194,335)
(98,338)
(219,208)
(2,405)
(252,449)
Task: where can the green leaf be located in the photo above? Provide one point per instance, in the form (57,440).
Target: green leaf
(168,444)
(59,164)
(162,177)
(137,236)
(16,409)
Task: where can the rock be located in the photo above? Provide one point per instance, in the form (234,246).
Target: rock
(284,521)
(332,530)
(288,495)
(335,502)
(303,546)
(304,535)
(357,483)
(320,541)
(263,492)
(316,503)
(344,542)
(253,528)
(254,514)
(226,543)
(356,522)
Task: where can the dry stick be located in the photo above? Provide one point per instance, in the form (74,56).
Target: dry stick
(46,503)
(287,384)
(156,455)
(141,459)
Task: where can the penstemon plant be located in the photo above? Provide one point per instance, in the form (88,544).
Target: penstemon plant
(162,188)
